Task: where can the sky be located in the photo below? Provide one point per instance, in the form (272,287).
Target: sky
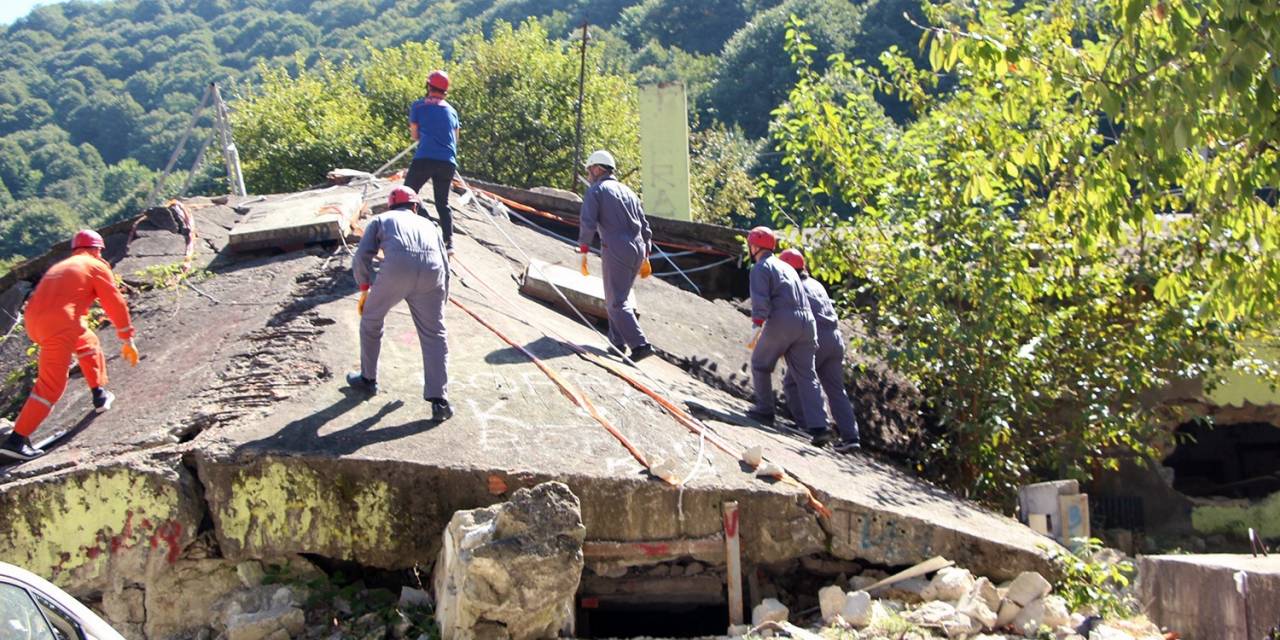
(11,10)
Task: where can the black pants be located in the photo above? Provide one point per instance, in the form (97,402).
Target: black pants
(440,173)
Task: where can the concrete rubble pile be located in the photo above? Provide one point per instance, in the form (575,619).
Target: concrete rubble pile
(955,604)
(511,570)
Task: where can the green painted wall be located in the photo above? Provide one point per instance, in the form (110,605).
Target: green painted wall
(664,149)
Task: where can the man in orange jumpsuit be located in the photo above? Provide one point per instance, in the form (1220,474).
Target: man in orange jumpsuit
(55,320)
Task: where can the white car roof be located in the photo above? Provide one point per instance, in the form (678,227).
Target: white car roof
(93,625)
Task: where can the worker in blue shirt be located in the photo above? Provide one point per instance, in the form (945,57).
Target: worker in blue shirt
(433,122)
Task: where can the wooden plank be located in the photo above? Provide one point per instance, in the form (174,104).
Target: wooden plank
(733,559)
(296,220)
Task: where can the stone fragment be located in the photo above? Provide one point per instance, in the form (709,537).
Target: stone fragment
(1030,619)
(753,456)
(769,610)
(974,605)
(986,592)
(1008,611)
(1027,587)
(739,630)
(126,606)
(831,601)
(250,573)
(410,597)
(950,584)
(909,591)
(857,609)
(1056,613)
(942,615)
(513,567)
(1108,632)
(261,625)
(860,583)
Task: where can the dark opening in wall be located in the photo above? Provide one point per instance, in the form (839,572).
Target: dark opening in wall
(617,620)
(1234,461)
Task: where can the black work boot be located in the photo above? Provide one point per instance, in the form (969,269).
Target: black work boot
(641,352)
(440,409)
(821,438)
(18,447)
(848,446)
(358,382)
(102,399)
(763,418)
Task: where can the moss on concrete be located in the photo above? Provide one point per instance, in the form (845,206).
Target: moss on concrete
(71,528)
(1263,516)
(283,504)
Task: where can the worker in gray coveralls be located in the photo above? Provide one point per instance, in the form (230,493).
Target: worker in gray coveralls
(414,269)
(787,330)
(613,209)
(829,361)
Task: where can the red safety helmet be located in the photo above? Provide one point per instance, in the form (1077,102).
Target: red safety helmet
(438,80)
(762,237)
(87,238)
(793,258)
(401,195)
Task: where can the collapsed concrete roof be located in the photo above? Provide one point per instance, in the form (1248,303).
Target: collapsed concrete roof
(235,429)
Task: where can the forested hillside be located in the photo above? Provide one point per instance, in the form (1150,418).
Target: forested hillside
(95,95)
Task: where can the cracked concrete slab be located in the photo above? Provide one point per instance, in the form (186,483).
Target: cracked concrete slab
(243,379)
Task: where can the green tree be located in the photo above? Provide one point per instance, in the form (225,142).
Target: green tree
(516,92)
(720,177)
(1006,248)
(291,130)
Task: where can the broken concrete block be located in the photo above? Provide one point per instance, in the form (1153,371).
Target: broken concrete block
(769,610)
(1028,587)
(586,293)
(286,220)
(514,566)
(857,609)
(831,601)
(1029,619)
(1107,632)
(753,456)
(950,584)
(1008,611)
(769,469)
(861,582)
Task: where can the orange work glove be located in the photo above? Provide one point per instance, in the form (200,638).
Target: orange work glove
(130,353)
(584,265)
(646,269)
(756,338)
(364,295)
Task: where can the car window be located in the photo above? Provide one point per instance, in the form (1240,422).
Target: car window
(20,618)
(64,625)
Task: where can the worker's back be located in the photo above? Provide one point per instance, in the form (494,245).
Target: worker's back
(824,312)
(406,236)
(776,291)
(617,214)
(67,290)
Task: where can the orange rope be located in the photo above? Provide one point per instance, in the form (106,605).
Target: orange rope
(571,392)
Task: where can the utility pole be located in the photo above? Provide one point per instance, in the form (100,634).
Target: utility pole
(582,79)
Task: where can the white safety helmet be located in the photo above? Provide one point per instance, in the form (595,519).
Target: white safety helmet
(602,157)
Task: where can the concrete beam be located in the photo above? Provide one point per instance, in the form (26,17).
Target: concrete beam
(585,292)
(297,220)
(1207,597)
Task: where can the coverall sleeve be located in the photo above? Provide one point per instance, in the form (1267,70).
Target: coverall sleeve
(590,217)
(112,301)
(362,266)
(761,288)
(646,233)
